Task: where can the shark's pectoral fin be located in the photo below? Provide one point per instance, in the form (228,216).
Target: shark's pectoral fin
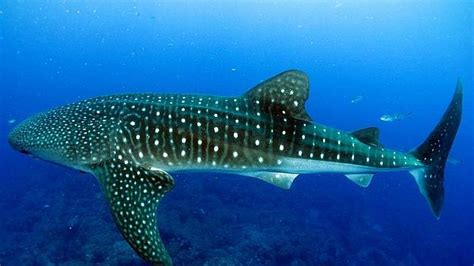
(283,94)
(281,180)
(133,194)
(362,180)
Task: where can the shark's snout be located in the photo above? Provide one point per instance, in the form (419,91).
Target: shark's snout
(12,140)
(52,136)
(15,140)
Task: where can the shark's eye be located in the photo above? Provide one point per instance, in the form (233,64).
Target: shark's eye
(24,151)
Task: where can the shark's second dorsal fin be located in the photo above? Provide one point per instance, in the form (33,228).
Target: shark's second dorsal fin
(283,94)
(369,136)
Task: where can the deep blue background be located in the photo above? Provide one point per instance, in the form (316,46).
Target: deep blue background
(401,57)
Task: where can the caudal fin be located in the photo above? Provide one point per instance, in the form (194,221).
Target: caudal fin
(433,152)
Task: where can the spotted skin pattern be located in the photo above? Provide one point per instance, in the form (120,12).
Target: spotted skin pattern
(131,142)
(133,194)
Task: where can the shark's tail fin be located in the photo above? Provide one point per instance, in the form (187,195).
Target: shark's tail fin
(433,152)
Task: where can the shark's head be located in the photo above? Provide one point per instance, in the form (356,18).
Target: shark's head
(62,137)
(39,136)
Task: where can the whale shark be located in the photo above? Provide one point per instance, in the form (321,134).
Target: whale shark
(133,143)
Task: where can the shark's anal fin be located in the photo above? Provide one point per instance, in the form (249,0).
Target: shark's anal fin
(281,180)
(133,194)
(369,136)
(283,94)
(362,180)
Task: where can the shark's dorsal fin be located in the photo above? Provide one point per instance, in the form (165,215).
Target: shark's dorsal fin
(369,136)
(283,94)
(133,194)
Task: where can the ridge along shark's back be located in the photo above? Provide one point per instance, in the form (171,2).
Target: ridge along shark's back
(131,142)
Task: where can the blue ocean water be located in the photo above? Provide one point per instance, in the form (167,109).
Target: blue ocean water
(364,60)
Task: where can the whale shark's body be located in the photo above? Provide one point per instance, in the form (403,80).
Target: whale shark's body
(132,142)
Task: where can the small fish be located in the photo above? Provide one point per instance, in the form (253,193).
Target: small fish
(357,99)
(12,121)
(388,118)
(394,117)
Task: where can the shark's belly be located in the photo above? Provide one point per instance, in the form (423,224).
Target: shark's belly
(304,166)
(286,165)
